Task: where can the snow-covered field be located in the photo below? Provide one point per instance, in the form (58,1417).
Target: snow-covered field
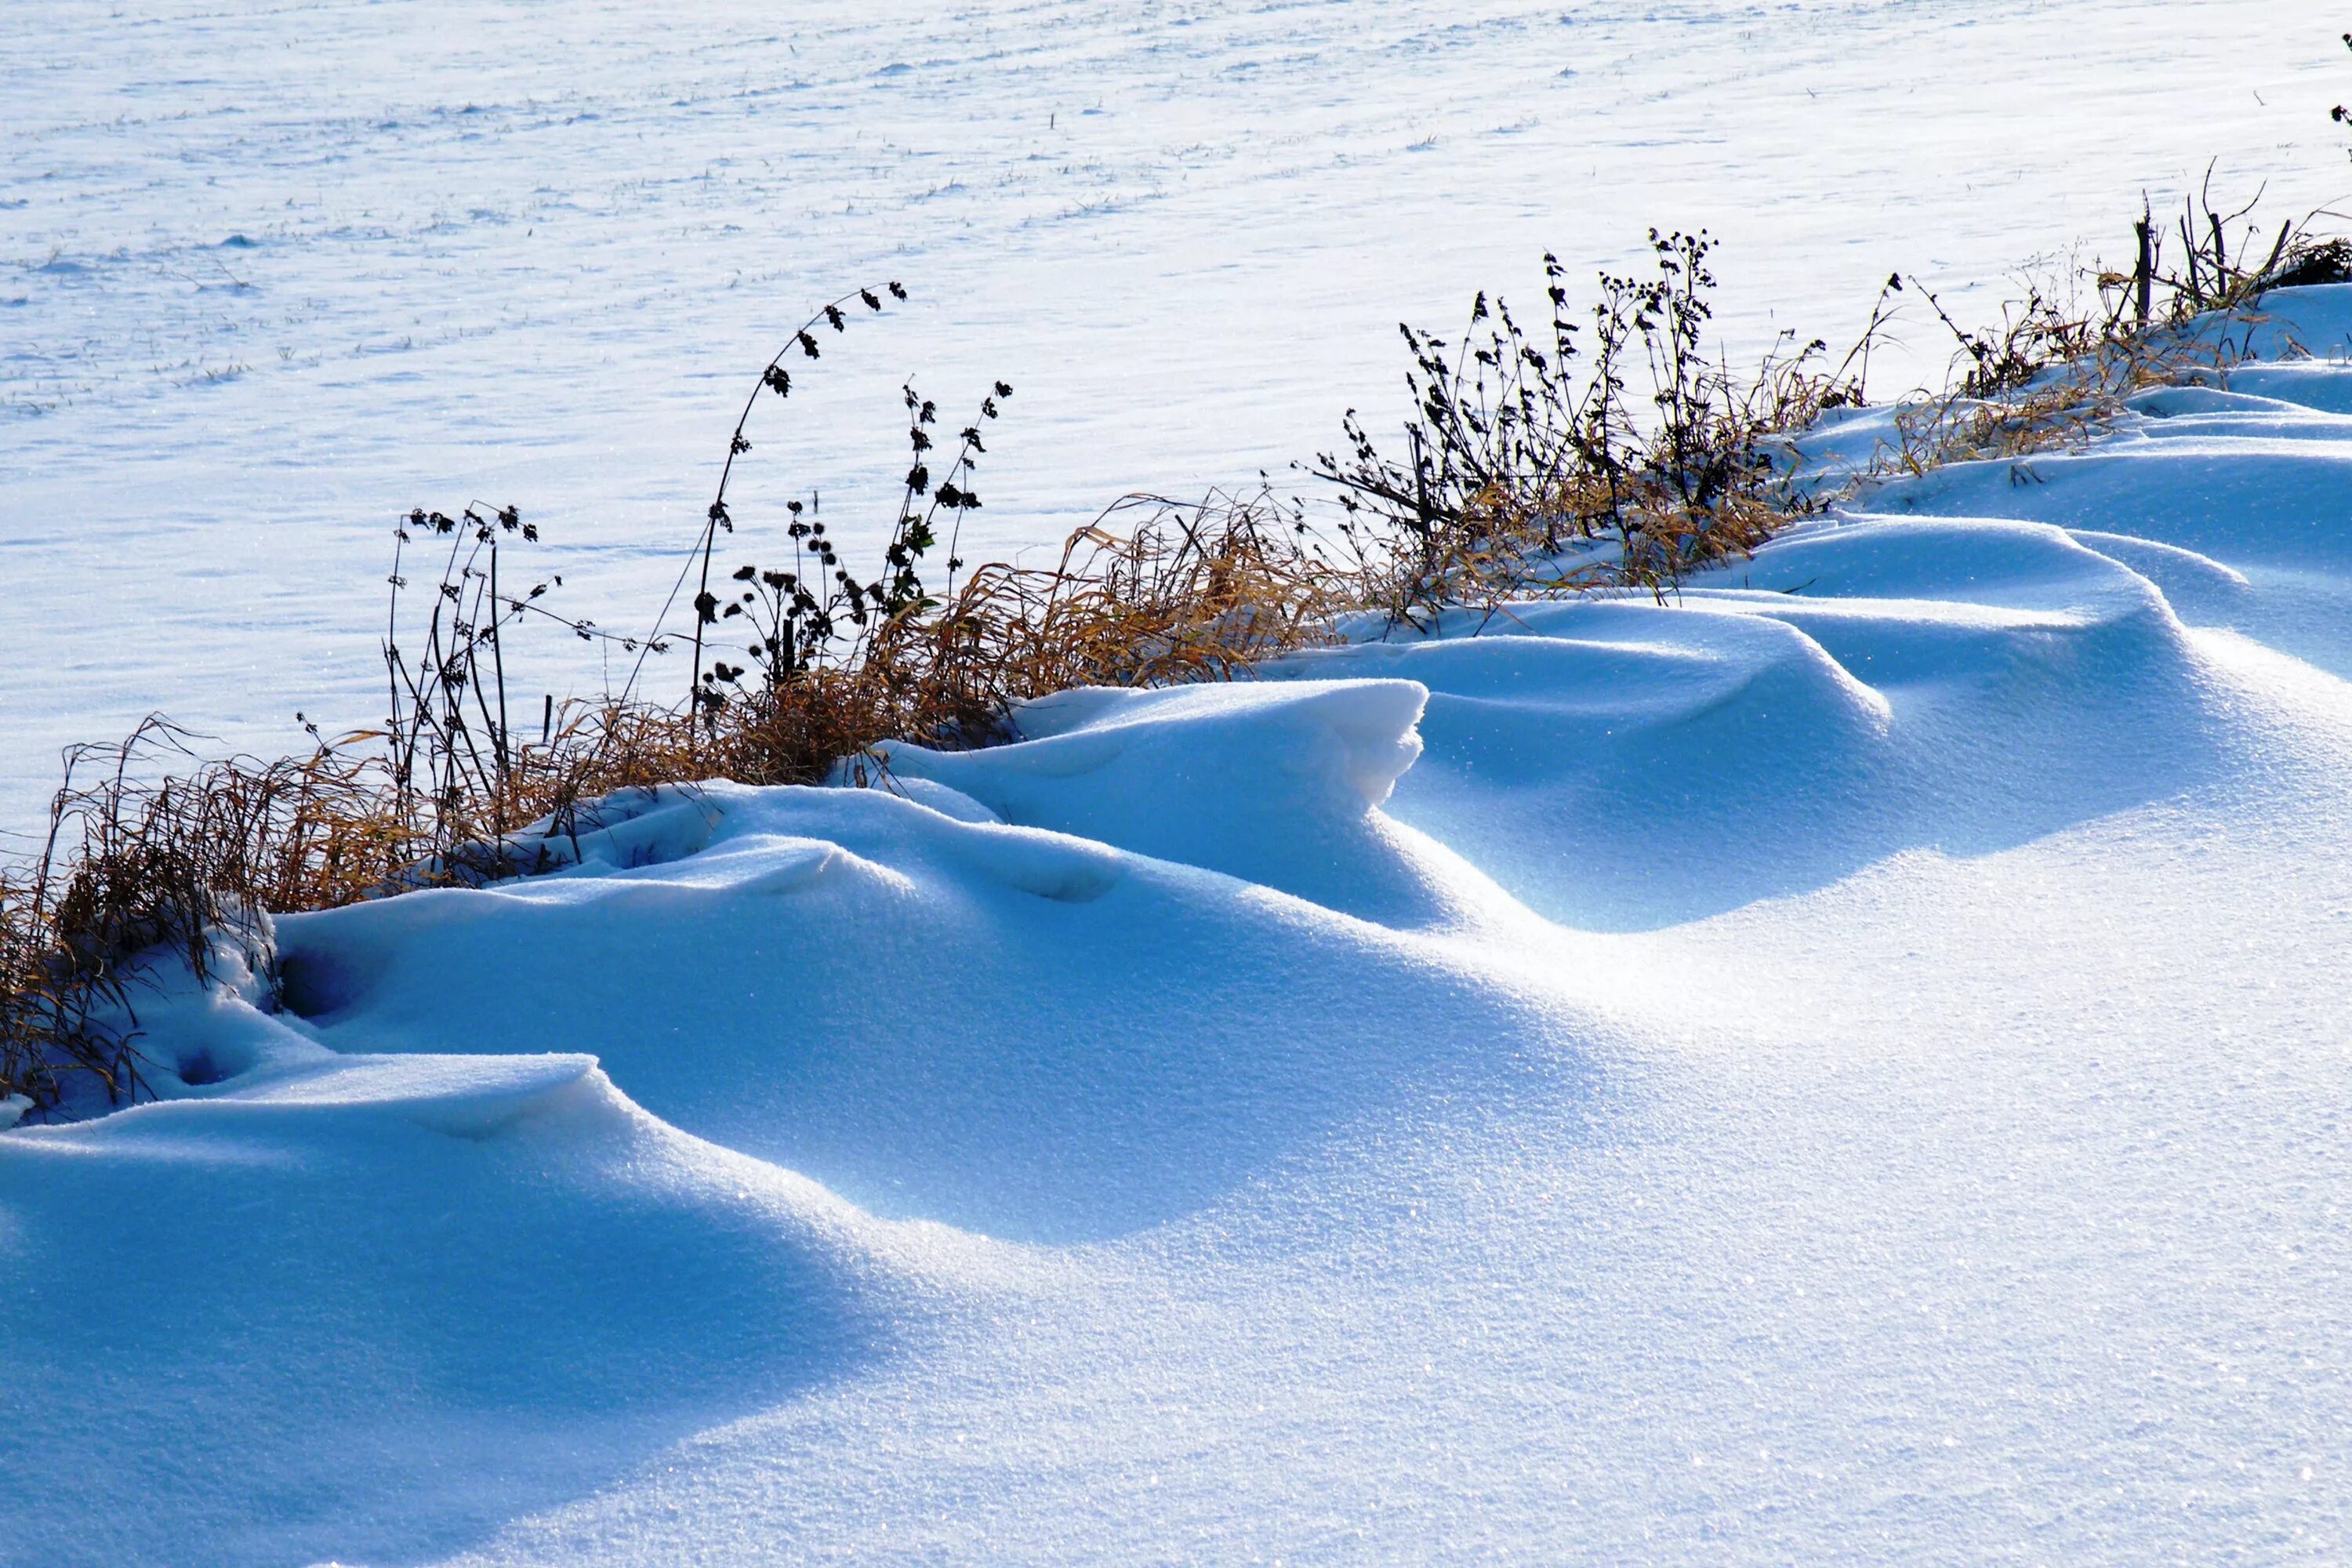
(272,273)
(1847,1067)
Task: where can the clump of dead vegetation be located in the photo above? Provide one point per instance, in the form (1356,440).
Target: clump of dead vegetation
(1530,466)
(1604,450)
(2059,367)
(180,869)
(158,863)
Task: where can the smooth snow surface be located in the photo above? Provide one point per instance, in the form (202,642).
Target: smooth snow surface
(1846,1066)
(270,275)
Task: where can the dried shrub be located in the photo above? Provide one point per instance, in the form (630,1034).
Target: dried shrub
(1528,466)
(1154,592)
(2057,368)
(155,859)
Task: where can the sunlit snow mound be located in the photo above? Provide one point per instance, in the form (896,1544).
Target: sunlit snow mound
(367,1302)
(946,1016)
(1843,1064)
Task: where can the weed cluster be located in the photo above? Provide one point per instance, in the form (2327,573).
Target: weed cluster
(2059,367)
(1525,451)
(158,861)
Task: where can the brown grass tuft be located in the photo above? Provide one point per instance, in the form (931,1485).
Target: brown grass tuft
(136,867)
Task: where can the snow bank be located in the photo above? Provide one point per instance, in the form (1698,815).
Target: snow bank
(1965,685)
(1277,788)
(377,1303)
(1844,1065)
(997,1026)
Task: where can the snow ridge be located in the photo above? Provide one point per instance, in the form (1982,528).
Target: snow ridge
(1844,1066)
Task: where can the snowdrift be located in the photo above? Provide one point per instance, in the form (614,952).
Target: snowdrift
(1845,1065)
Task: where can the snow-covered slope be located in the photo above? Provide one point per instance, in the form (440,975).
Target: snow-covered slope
(271,274)
(1845,1067)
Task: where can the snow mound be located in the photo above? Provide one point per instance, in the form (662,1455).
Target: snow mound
(1275,786)
(1854,690)
(1842,1065)
(995,1027)
(377,1303)
(2226,495)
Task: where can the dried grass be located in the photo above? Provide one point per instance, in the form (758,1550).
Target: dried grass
(136,869)
(1527,469)
(2058,369)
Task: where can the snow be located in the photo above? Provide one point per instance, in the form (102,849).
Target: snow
(269,275)
(1845,1064)
(385,1305)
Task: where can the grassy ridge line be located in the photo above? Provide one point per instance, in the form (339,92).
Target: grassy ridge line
(1526,469)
